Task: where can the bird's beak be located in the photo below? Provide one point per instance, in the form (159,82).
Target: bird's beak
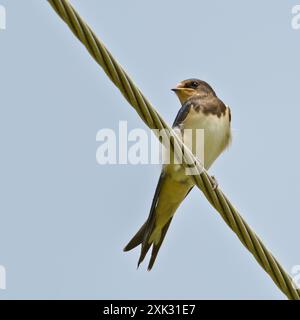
(182,93)
(179,90)
(178,87)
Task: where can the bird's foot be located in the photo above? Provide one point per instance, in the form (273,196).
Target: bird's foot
(215,183)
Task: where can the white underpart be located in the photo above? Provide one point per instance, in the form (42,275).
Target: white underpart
(216,134)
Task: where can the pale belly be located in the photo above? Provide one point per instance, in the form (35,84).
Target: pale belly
(207,136)
(213,137)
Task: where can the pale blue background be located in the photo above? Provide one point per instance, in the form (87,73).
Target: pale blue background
(64,219)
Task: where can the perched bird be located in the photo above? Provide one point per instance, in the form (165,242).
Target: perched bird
(201,109)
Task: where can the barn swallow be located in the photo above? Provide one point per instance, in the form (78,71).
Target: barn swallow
(201,109)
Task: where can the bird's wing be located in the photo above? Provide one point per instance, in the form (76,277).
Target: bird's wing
(182,113)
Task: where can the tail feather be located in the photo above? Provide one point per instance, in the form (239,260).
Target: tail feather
(137,239)
(146,244)
(144,250)
(142,238)
(157,246)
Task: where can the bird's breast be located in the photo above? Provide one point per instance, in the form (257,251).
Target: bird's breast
(208,136)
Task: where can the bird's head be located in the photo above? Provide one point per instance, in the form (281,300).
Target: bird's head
(188,88)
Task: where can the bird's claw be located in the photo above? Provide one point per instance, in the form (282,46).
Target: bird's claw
(215,183)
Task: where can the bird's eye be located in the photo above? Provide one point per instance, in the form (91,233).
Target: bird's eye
(194,84)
